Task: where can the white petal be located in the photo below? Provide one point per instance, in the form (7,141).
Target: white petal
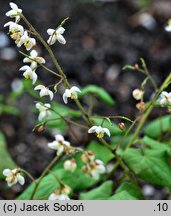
(50,31)
(92,129)
(43,92)
(75,89)
(13,6)
(53,196)
(63,197)
(20,179)
(53,145)
(6,172)
(168,28)
(26,67)
(11,13)
(39,107)
(39,87)
(107,131)
(33,53)
(65,98)
(27,60)
(34,77)
(60,30)
(61,39)
(101,169)
(41,115)
(60,150)
(51,40)
(164,94)
(59,138)
(50,94)
(47,105)
(66,143)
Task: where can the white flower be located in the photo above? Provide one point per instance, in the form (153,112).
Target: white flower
(99,131)
(34,59)
(16,31)
(56,35)
(44,110)
(168,27)
(54,196)
(165,98)
(138,94)
(29,73)
(44,91)
(70,165)
(15,12)
(98,169)
(13,176)
(27,41)
(70,93)
(59,144)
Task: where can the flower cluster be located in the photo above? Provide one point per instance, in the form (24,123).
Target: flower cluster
(92,168)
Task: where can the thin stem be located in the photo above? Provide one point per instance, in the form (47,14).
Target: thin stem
(113,117)
(28,174)
(42,175)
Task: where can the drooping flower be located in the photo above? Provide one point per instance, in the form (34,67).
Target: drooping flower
(44,110)
(55,196)
(44,91)
(70,165)
(100,131)
(16,31)
(59,144)
(94,169)
(29,73)
(56,35)
(138,94)
(97,169)
(27,41)
(13,176)
(165,98)
(15,12)
(71,93)
(87,156)
(168,27)
(34,59)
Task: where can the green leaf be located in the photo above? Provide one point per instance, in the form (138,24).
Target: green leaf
(5,158)
(151,165)
(101,193)
(101,152)
(158,127)
(156,145)
(127,191)
(9,109)
(100,92)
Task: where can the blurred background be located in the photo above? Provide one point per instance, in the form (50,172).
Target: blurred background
(102,36)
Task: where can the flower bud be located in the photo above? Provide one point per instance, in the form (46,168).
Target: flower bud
(138,94)
(121,125)
(40,129)
(65,190)
(87,157)
(140,106)
(136,66)
(70,165)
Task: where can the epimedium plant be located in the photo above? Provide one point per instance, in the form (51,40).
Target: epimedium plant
(81,172)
